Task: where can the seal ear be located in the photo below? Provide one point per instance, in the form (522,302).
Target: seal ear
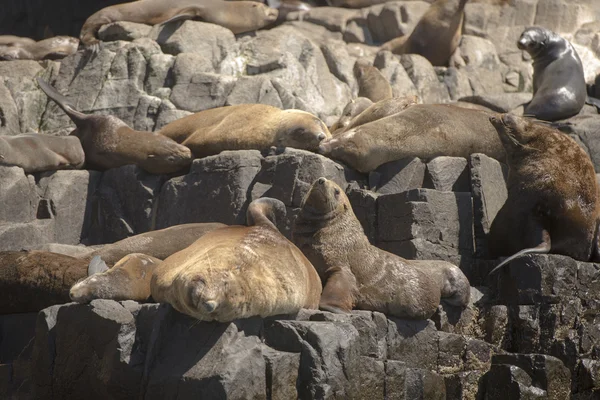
(97,265)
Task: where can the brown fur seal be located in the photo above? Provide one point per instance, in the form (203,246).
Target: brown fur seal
(381,109)
(109,143)
(48,49)
(552,204)
(129,279)
(437,34)
(239,272)
(246,127)
(359,275)
(423,130)
(11,40)
(371,82)
(31,281)
(237,16)
(559,89)
(159,244)
(352,109)
(35,153)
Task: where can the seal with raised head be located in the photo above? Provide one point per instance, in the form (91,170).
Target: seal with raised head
(371,82)
(422,130)
(352,109)
(48,49)
(246,127)
(437,34)
(36,152)
(552,204)
(109,143)
(237,16)
(357,274)
(559,89)
(381,109)
(129,279)
(239,272)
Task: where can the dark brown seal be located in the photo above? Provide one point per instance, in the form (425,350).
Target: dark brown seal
(36,153)
(246,127)
(359,275)
(237,16)
(109,143)
(437,34)
(371,82)
(552,204)
(239,272)
(422,130)
(48,49)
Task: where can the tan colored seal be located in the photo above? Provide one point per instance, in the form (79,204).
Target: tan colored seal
(381,109)
(437,34)
(552,204)
(237,16)
(31,281)
(359,275)
(239,272)
(36,153)
(352,109)
(422,130)
(109,143)
(246,127)
(371,82)
(129,279)
(48,49)
(11,40)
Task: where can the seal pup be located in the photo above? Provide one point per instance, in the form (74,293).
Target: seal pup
(552,204)
(359,275)
(109,143)
(36,152)
(129,279)
(422,130)
(381,109)
(246,127)
(437,34)
(48,49)
(559,89)
(352,109)
(237,16)
(371,82)
(239,272)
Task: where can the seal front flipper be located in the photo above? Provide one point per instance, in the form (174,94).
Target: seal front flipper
(76,116)
(338,293)
(184,14)
(542,248)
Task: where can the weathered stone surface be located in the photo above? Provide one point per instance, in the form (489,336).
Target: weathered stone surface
(448,174)
(500,102)
(394,72)
(364,205)
(9,120)
(587,127)
(18,196)
(24,236)
(398,176)
(424,77)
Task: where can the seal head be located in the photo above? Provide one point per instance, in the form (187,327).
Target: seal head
(300,130)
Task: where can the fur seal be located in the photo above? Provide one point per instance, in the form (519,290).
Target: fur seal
(352,109)
(48,49)
(559,89)
(109,143)
(31,281)
(552,204)
(129,279)
(239,272)
(371,82)
(359,275)
(246,127)
(36,152)
(437,34)
(381,109)
(11,40)
(237,16)
(422,130)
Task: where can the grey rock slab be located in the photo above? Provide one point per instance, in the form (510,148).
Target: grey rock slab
(398,176)
(424,77)
(18,197)
(448,174)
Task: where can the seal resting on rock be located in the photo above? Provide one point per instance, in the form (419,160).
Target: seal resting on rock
(246,127)
(552,204)
(381,109)
(237,16)
(129,279)
(109,143)
(371,82)
(36,153)
(359,275)
(239,272)
(559,89)
(437,34)
(422,130)
(48,49)
(352,109)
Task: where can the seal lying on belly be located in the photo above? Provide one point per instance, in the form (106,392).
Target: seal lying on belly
(109,143)
(422,130)
(381,109)
(48,49)
(359,275)
(552,204)
(36,153)
(237,16)
(246,127)
(239,272)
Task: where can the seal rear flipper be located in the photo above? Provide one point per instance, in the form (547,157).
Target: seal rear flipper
(338,292)
(542,248)
(97,265)
(184,14)
(76,116)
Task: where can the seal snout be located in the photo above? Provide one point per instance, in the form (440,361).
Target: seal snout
(321,136)
(523,43)
(321,181)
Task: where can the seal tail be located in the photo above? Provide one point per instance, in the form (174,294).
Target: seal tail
(543,248)
(76,116)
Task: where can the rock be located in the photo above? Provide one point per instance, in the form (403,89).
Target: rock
(457,82)
(18,196)
(425,78)
(394,72)
(333,18)
(254,89)
(340,62)
(16,330)
(9,123)
(393,19)
(282,373)
(559,16)
(413,342)
(500,102)
(123,30)
(23,236)
(448,174)
(587,127)
(364,205)
(202,91)
(398,176)
(478,52)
